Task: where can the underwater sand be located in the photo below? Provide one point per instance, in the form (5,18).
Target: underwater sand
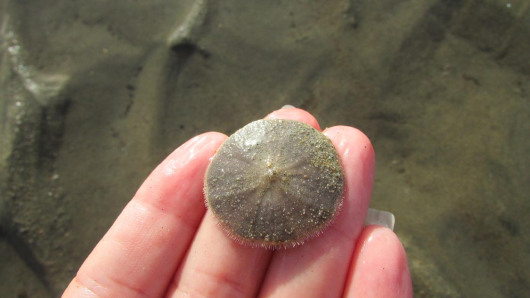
(94,94)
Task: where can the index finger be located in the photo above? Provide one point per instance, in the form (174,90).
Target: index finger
(147,241)
(296,114)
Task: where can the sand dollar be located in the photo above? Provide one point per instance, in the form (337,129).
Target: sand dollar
(275,183)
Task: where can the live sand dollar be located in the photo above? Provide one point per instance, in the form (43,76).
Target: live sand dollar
(275,183)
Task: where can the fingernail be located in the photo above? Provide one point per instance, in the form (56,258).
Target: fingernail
(380,218)
(288,107)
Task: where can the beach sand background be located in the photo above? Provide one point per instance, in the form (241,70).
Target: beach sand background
(94,94)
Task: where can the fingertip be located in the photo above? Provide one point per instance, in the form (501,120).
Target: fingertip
(379,267)
(292,113)
(200,147)
(211,135)
(205,142)
(357,155)
(185,165)
(346,135)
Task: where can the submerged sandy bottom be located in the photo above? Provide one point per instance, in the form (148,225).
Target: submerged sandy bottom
(94,95)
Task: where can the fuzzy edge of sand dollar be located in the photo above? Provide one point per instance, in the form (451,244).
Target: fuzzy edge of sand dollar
(315,231)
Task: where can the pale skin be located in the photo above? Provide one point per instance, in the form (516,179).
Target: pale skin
(166,244)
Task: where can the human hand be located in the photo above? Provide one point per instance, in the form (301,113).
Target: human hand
(165,242)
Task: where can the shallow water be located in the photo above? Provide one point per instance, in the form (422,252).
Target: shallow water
(93,95)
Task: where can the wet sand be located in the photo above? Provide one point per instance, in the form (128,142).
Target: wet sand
(93,95)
